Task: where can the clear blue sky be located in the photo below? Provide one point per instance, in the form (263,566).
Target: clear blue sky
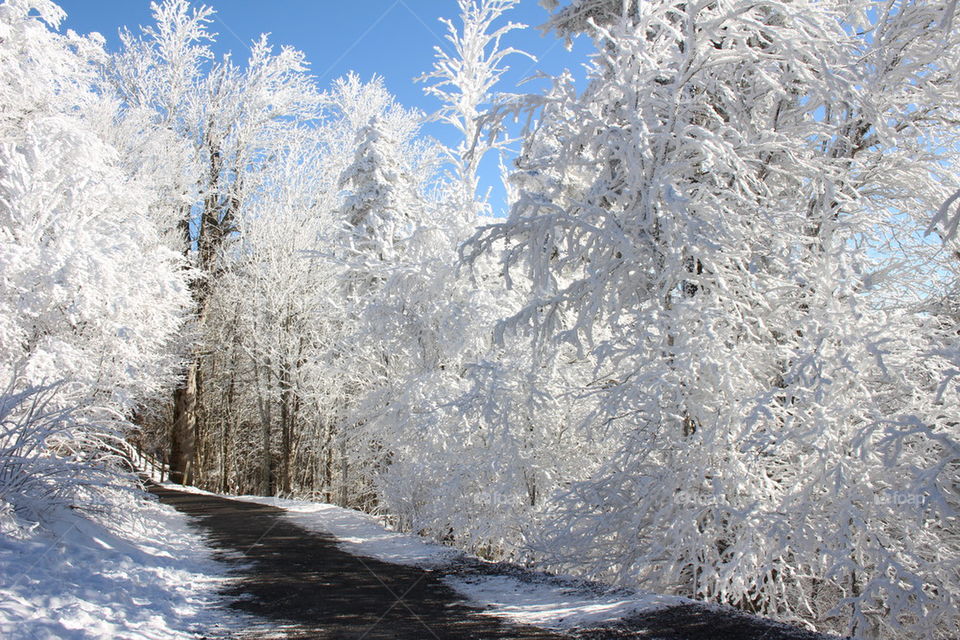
(392,38)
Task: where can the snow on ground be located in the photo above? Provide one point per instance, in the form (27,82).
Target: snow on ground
(146,576)
(555,603)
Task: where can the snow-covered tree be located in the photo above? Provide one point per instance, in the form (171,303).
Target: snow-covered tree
(273,313)
(90,299)
(464,81)
(382,200)
(697,221)
(498,444)
(234,120)
(85,271)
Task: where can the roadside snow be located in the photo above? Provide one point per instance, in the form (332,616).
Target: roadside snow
(362,534)
(146,576)
(555,603)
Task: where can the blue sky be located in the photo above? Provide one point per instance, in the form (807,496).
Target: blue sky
(392,38)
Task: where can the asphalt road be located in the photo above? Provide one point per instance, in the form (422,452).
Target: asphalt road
(299,585)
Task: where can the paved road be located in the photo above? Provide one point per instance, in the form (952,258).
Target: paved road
(300,585)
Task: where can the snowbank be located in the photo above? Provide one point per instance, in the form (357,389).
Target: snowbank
(83,581)
(554,605)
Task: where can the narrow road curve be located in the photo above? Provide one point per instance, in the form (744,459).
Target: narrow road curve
(301,584)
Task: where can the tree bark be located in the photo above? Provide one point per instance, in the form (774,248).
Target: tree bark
(263,402)
(286,418)
(183,431)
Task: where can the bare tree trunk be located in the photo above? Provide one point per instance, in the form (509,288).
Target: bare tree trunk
(326,453)
(286,417)
(343,470)
(183,431)
(265,488)
(265,420)
(227,431)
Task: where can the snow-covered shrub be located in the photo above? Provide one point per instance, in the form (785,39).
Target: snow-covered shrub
(53,456)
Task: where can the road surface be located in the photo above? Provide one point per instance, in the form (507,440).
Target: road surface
(298,584)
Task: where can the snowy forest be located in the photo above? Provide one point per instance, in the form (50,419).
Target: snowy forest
(711,348)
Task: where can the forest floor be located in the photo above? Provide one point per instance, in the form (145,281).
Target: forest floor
(300,582)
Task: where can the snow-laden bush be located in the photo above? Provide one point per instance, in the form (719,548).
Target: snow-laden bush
(54,457)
